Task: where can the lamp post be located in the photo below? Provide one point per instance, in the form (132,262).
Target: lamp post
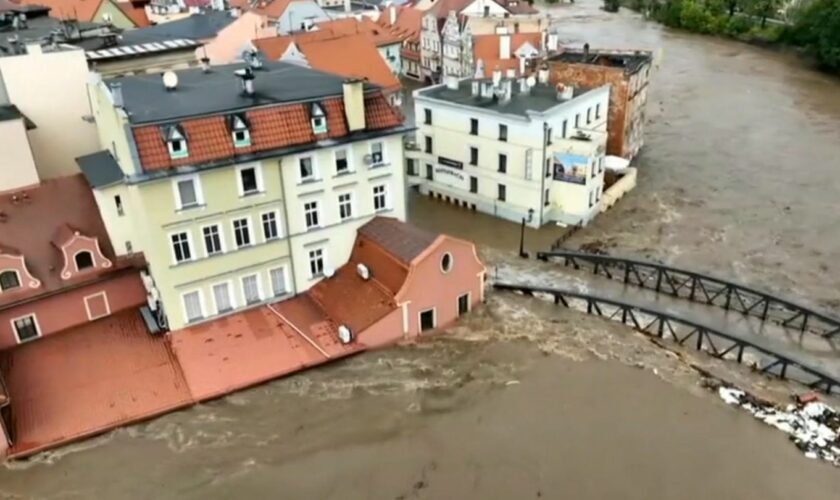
(522,252)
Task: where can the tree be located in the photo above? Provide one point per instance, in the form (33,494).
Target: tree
(817,28)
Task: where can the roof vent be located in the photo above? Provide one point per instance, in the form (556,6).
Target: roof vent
(170,80)
(329,272)
(363,271)
(344,334)
(247,76)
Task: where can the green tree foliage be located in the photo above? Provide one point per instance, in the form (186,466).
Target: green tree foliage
(817,28)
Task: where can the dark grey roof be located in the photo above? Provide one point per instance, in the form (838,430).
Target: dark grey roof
(219,91)
(11,112)
(100,169)
(403,241)
(631,61)
(43,28)
(196,27)
(539,99)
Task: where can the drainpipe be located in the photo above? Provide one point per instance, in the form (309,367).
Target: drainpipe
(542,173)
(288,231)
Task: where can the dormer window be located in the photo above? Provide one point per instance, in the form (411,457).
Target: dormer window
(239,131)
(84,260)
(176,141)
(9,280)
(319,119)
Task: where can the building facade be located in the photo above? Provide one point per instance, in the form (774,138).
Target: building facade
(236,201)
(513,148)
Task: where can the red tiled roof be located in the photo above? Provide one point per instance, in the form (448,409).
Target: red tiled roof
(80,10)
(403,241)
(274,127)
(486,48)
(352,56)
(136,12)
(408,24)
(273,9)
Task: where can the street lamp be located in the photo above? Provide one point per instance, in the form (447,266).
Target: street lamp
(522,252)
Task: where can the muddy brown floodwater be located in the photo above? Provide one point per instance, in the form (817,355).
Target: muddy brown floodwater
(740,177)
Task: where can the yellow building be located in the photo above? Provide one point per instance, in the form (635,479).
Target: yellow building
(241,184)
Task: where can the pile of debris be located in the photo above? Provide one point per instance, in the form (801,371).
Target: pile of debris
(813,426)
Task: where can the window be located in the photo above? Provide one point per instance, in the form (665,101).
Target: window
(251,289)
(588,116)
(241,138)
(319,119)
(473,126)
(427,116)
(548,134)
(463,304)
(221,295)
(380,197)
(591,199)
(473,184)
(597,111)
(428,144)
(473,156)
(128,247)
(411,167)
(250,181)
(9,280)
(565,127)
(376,153)
(503,133)
(341,165)
(546,201)
(310,211)
(316,262)
(446,262)
(192,306)
(242,232)
(345,206)
(212,240)
(187,193)
(119,205)
(181,247)
(271,229)
(502,192)
(84,260)
(502,163)
(176,142)
(307,169)
(577,120)
(429,170)
(26,328)
(594,168)
(239,131)
(427,318)
(278,281)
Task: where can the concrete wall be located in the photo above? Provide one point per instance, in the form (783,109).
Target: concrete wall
(50,89)
(67,309)
(111,126)
(18,163)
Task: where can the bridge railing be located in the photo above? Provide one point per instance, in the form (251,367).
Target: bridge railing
(701,288)
(703,338)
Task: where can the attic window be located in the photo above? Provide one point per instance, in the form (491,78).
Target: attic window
(239,131)
(319,119)
(84,260)
(9,280)
(176,141)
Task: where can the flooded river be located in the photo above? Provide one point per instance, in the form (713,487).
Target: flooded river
(740,177)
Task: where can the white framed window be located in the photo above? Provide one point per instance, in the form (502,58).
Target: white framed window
(9,279)
(242,232)
(345,206)
(380,197)
(181,247)
(279,285)
(319,119)
(213,239)
(188,192)
(97,306)
(239,131)
(307,169)
(342,164)
(316,262)
(176,142)
(193,306)
(310,212)
(26,328)
(250,179)
(270,225)
(222,297)
(377,153)
(251,289)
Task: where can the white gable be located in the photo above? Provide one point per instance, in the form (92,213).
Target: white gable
(294,55)
(476,8)
(526,50)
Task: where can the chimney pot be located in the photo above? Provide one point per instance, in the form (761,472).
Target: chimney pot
(504,46)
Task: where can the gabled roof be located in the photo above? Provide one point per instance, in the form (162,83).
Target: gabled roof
(272,8)
(402,241)
(441,8)
(80,10)
(196,27)
(136,12)
(486,48)
(408,23)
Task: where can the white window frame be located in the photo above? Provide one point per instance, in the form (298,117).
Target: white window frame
(250,232)
(178,155)
(104,295)
(286,288)
(324,265)
(306,226)
(384,195)
(220,227)
(314,169)
(231,296)
(420,320)
(201,305)
(260,294)
(34,317)
(199,192)
(17,275)
(348,156)
(172,247)
(383,157)
(246,138)
(278,222)
(351,202)
(257,173)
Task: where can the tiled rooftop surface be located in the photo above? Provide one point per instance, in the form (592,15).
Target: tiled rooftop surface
(403,241)
(353,301)
(90,379)
(487,49)
(80,10)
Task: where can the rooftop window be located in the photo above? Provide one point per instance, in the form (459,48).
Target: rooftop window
(176,141)
(319,119)
(239,131)
(9,280)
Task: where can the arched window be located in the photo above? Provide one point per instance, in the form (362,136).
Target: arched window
(9,280)
(446,262)
(84,260)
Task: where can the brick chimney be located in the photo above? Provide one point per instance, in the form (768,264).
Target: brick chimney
(504,46)
(354,104)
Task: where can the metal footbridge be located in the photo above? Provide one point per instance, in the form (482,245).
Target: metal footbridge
(725,319)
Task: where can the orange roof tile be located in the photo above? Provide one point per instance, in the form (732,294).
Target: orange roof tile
(135,12)
(486,49)
(408,24)
(273,9)
(80,10)
(351,56)
(273,127)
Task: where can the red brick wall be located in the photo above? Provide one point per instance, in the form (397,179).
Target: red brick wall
(66,310)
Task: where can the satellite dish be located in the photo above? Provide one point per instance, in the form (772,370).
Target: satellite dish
(531,81)
(329,272)
(344,334)
(170,80)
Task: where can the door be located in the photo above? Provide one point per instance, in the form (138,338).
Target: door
(427,320)
(463,304)
(428,171)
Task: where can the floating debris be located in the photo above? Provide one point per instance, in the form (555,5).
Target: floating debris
(813,426)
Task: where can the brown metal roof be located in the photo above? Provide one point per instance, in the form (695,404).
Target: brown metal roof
(401,240)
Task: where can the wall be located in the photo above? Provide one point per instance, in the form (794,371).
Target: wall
(477,7)
(386,331)
(427,286)
(50,89)
(229,43)
(391,55)
(18,164)
(118,17)
(149,64)
(111,126)
(66,310)
(296,13)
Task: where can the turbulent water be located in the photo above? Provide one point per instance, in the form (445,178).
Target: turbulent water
(740,177)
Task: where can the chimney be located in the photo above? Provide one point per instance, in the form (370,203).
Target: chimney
(524,89)
(117,95)
(347,7)
(542,75)
(507,86)
(205,64)
(247,76)
(504,46)
(552,42)
(392,13)
(34,48)
(522,62)
(354,104)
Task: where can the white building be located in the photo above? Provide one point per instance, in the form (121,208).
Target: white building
(512,148)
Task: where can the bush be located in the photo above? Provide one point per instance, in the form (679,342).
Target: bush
(694,17)
(737,25)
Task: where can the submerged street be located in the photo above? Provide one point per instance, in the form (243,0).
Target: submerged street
(739,178)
